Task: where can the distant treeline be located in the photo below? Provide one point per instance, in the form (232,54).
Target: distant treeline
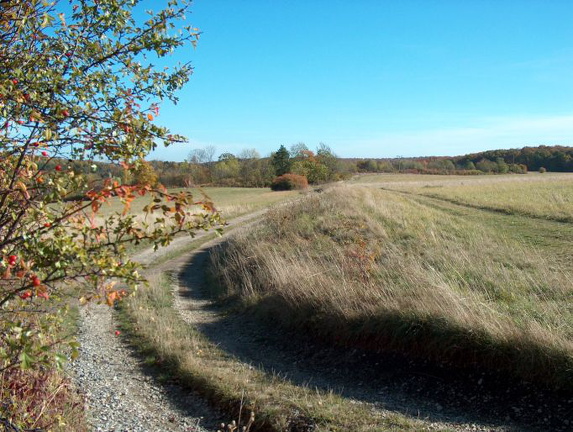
(249,169)
(550,158)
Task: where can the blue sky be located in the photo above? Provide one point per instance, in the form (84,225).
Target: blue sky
(376,78)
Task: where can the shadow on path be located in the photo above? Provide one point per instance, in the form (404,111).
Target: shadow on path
(419,389)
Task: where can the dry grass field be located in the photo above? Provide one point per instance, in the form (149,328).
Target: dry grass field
(548,196)
(229,201)
(384,269)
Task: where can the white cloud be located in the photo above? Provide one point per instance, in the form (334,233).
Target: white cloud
(490,133)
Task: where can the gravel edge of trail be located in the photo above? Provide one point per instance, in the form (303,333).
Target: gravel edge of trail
(121,393)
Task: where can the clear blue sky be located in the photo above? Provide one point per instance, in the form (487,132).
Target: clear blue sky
(373,78)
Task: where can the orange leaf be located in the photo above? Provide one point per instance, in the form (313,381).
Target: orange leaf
(111,297)
(42,293)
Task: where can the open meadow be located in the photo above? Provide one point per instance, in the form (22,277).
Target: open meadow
(229,201)
(546,196)
(379,265)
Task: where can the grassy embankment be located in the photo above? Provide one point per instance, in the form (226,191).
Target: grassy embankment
(158,330)
(387,270)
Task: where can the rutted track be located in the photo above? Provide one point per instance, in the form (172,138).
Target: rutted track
(529,229)
(491,209)
(441,397)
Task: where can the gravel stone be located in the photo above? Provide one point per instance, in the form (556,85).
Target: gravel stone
(120,394)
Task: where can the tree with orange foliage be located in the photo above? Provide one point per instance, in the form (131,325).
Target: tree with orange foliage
(77,83)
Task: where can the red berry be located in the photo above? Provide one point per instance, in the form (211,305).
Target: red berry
(65,113)
(14,81)
(117,332)
(20,122)
(47,224)
(58,167)
(25,295)
(36,281)
(45,153)
(12,257)
(43,295)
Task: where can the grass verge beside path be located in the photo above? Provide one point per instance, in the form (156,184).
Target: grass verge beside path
(158,330)
(44,398)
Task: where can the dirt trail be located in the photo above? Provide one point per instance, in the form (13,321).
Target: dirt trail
(441,396)
(122,394)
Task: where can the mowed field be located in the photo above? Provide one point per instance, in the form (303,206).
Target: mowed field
(547,196)
(473,271)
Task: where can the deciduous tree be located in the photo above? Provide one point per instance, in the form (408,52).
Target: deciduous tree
(77,82)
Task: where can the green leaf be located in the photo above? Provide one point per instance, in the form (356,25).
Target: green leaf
(26,360)
(60,361)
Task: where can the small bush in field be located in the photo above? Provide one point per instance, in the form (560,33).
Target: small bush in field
(542,170)
(289,182)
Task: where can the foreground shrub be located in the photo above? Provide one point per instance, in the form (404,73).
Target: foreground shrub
(65,98)
(289,182)
(40,399)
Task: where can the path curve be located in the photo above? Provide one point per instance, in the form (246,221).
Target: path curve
(384,382)
(440,396)
(121,393)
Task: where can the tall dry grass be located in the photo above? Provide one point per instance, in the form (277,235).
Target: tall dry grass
(378,269)
(234,387)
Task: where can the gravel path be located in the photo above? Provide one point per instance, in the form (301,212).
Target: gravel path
(122,394)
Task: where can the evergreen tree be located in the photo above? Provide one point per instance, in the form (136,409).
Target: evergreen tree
(281,161)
